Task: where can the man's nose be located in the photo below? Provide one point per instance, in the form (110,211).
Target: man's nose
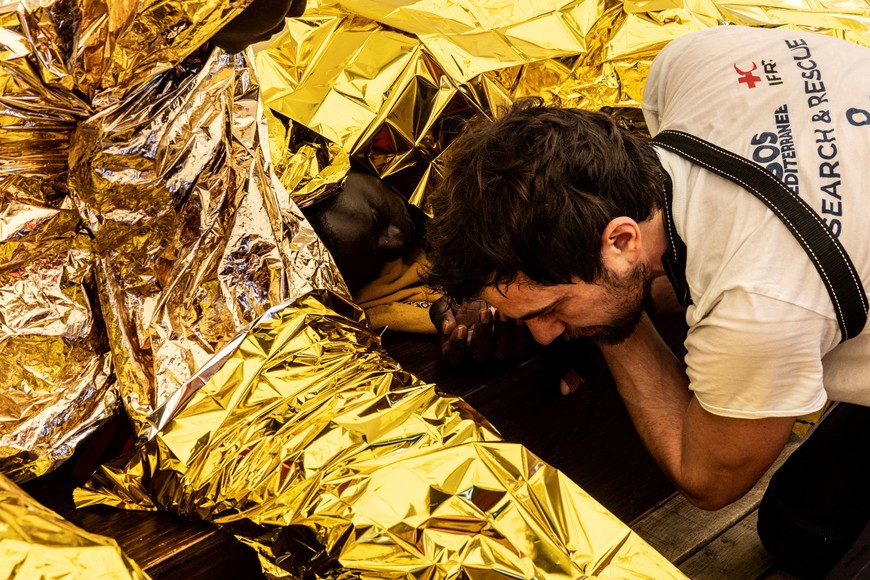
(545,331)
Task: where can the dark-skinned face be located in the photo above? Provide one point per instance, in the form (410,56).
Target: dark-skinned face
(259,21)
(363,226)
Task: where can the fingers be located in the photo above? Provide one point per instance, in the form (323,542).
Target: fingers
(441,315)
(459,330)
(448,324)
(472,331)
(503,332)
(571,382)
(480,338)
(454,346)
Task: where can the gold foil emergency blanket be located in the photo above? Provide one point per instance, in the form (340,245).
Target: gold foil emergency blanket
(311,445)
(35,542)
(55,370)
(188,224)
(105,49)
(388,83)
(171,220)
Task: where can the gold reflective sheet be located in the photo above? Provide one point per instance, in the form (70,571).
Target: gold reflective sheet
(311,445)
(55,370)
(37,543)
(387,83)
(195,238)
(141,226)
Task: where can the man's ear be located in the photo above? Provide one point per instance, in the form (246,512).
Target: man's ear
(620,242)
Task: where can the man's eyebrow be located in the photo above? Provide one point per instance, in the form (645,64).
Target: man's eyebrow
(540,311)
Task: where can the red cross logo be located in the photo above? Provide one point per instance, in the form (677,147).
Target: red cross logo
(747,77)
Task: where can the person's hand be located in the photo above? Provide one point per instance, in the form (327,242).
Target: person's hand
(570,382)
(473,331)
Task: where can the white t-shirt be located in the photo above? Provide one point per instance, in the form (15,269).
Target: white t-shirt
(763,338)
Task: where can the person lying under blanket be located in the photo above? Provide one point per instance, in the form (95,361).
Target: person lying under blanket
(375,239)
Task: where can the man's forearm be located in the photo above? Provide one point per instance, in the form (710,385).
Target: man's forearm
(714,460)
(655,390)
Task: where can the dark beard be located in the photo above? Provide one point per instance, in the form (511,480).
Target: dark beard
(624,325)
(620,329)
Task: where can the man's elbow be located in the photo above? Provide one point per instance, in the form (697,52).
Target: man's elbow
(715,496)
(710,502)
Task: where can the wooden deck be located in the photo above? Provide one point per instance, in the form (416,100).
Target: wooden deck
(712,545)
(587,435)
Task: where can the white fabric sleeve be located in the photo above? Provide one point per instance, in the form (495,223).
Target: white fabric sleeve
(672,75)
(662,72)
(752,356)
(649,104)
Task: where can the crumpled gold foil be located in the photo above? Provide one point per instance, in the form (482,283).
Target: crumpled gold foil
(141,226)
(387,84)
(301,436)
(35,542)
(55,370)
(311,445)
(195,238)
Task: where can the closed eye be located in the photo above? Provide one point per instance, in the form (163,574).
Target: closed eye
(546,315)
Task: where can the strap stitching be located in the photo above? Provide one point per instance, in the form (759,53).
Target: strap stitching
(783,217)
(672,238)
(670,231)
(800,201)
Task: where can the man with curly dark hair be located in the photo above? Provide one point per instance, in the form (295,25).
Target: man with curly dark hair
(558,218)
(507,216)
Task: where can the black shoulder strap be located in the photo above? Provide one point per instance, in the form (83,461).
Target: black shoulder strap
(824,249)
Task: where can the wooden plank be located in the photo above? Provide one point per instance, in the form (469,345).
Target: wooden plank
(780,575)
(148,537)
(737,553)
(162,543)
(218,556)
(677,529)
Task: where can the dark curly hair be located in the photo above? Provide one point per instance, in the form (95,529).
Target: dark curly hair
(532,192)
